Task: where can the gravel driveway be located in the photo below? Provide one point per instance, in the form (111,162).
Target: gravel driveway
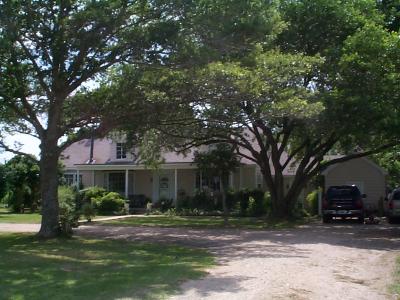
(335,261)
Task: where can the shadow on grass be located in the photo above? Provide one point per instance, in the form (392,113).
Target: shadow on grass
(209,222)
(81,268)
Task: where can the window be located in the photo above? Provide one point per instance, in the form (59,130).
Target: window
(116,182)
(121,151)
(205,182)
(71,179)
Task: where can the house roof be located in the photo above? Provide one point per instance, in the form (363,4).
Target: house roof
(77,156)
(364,159)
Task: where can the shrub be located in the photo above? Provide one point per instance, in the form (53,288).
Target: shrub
(171,212)
(205,201)
(110,204)
(202,200)
(69,215)
(88,211)
(87,195)
(184,203)
(312,203)
(165,204)
(231,199)
(243,200)
(258,203)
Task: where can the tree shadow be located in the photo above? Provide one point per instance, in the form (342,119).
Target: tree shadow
(93,269)
(238,243)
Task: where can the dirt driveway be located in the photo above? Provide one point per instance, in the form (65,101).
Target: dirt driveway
(335,261)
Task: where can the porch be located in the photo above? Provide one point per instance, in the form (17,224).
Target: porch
(168,182)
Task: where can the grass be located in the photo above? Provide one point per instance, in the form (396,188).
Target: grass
(201,222)
(81,268)
(395,287)
(26,218)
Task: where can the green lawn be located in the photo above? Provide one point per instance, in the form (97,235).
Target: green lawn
(395,288)
(199,222)
(26,218)
(81,268)
(7,217)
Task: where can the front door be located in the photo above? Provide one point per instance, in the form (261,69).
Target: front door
(164,186)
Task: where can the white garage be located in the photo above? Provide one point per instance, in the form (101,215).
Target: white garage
(362,172)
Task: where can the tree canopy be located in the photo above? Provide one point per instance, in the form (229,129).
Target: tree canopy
(52,55)
(323,81)
(284,82)
(21,183)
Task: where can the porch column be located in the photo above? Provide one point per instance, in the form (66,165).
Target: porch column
(231,179)
(176,186)
(126,183)
(77,179)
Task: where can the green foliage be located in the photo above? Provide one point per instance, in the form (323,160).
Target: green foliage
(312,203)
(328,72)
(202,201)
(86,268)
(165,204)
(22,183)
(370,75)
(89,194)
(390,161)
(88,211)
(395,286)
(69,215)
(110,204)
(3,182)
(223,29)
(218,161)
(252,203)
(49,54)
(391,11)
(321,26)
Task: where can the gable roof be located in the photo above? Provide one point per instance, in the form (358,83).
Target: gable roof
(364,159)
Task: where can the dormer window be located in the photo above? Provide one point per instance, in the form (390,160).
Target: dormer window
(121,151)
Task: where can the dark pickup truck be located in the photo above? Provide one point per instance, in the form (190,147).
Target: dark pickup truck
(343,201)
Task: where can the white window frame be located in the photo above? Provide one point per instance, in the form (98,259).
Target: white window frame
(74,178)
(120,151)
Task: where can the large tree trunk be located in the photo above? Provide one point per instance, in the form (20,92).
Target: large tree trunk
(284,203)
(49,189)
(279,207)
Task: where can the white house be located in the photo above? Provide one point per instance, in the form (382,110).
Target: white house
(115,169)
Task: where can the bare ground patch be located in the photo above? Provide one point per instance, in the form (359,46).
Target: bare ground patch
(335,261)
